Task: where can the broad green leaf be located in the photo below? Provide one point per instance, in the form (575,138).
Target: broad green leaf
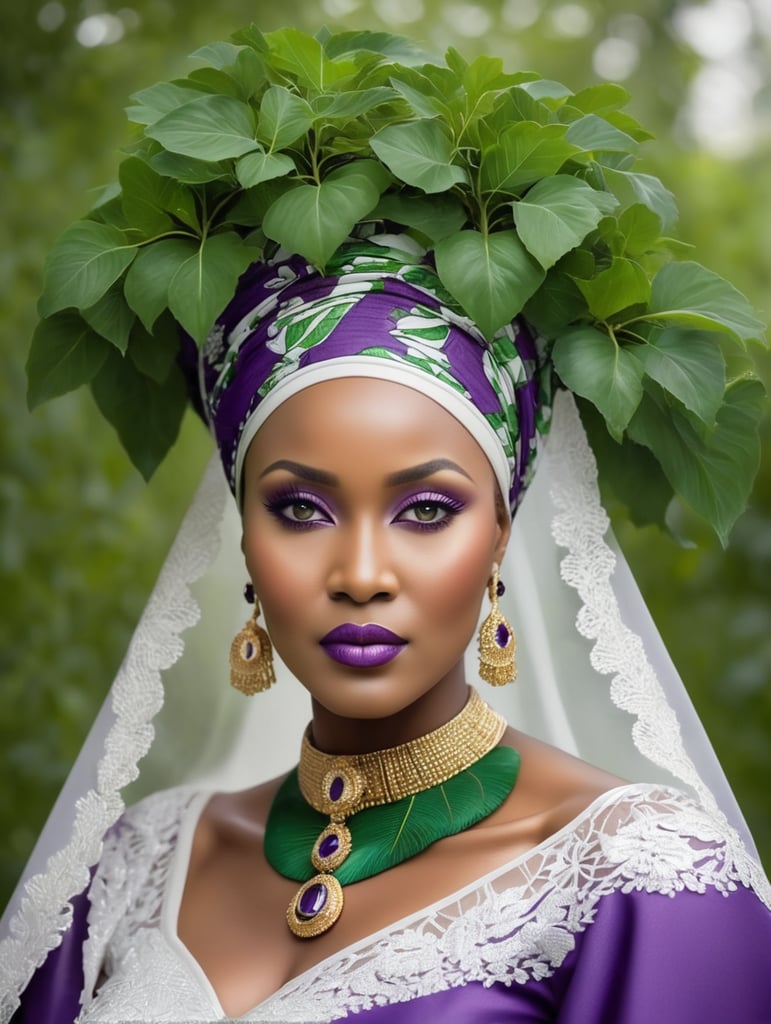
(248,72)
(594,134)
(599,99)
(147,282)
(398,49)
(151,201)
(65,353)
(640,227)
(595,367)
(419,153)
(630,187)
(111,317)
(544,88)
(219,54)
(154,354)
(343,105)
(492,276)
(436,218)
(525,153)
(204,284)
(622,285)
(251,36)
(517,105)
(151,104)
(689,365)
(556,214)
(303,56)
(418,93)
(208,128)
(82,265)
(556,304)
(713,470)
(690,294)
(212,81)
(314,220)
(187,169)
(261,166)
(284,117)
(120,390)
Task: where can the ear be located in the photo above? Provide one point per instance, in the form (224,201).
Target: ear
(503,532)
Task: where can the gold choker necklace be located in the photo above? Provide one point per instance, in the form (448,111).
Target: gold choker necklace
(341,785)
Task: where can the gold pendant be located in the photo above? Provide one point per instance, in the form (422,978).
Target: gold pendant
(315,907)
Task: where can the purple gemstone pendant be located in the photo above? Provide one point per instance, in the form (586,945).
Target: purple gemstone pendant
(315,907)
(341,790)
(332,847)
(502,635)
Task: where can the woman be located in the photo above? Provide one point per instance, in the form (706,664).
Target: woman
(377,444)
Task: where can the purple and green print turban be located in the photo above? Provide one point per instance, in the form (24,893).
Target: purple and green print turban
(379,310)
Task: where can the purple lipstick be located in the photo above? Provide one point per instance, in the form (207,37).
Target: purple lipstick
(362,646)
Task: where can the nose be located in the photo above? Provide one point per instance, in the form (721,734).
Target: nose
(362,569)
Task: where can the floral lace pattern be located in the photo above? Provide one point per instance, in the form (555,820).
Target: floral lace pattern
(517,924)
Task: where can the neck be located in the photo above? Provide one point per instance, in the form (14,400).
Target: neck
(335,734)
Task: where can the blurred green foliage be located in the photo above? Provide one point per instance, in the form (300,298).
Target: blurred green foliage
(82,538)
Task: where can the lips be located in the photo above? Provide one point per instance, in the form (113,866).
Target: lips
(362,646)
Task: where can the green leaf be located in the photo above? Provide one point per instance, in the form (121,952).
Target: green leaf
(594,134)
(622,285)
(688,293)
(147,282)
(557,214)
(525,153)
(436,218)
(261,166)
(82,265)
(187,169)
(314,220)
(712,470)
(284,117)
(208,128)
(544,88)
(640,227)
(219,54)
(111,317)
(120,391)
(154,354)
(689,365)
(419,153)
(599,99)
(556,304)
(65,353)
(152,202)
(630,188)
(398,49)
(344,105)
(304,58)
(595,367)
(492,276)
(212,81)
(204,284)
(158,100)
(420,96)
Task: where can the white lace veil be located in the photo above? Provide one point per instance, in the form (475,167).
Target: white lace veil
(605,691)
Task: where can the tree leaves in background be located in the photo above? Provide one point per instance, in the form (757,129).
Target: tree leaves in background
(85,261)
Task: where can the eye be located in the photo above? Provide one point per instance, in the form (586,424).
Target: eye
(298,511)
(428,511)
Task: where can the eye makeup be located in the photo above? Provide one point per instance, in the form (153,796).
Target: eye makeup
(308,508)
(426,503)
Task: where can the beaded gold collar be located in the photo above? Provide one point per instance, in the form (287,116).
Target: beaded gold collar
(342,785)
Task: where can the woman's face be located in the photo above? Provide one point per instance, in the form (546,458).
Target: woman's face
(367,505)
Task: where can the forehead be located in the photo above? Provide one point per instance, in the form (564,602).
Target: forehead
(363,423)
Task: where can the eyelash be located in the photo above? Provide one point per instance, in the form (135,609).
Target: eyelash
(279,504)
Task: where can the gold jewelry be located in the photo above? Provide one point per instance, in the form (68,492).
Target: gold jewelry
(497,643)
(341,785)
(251,658)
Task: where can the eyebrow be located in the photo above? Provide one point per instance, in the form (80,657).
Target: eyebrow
(402,476)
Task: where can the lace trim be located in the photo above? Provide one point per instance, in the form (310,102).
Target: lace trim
(517,924)
(580,524)
(137,696)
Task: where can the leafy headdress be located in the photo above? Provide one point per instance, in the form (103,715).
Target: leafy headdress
(525,192)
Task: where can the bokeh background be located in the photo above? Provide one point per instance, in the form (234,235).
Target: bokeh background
(82,537)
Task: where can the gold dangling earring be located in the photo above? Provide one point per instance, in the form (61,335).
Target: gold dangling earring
(251,654)
(497,643)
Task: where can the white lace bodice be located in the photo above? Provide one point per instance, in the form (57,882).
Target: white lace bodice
(514,925)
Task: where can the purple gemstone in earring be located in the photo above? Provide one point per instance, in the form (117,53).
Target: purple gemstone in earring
(249,593)
(500,590)
(248,650)
(336,788)
(502,635)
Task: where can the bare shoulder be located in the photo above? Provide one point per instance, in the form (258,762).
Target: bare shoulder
(233,820)
(554,787)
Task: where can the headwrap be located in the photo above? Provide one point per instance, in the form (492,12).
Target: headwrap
(377,311)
